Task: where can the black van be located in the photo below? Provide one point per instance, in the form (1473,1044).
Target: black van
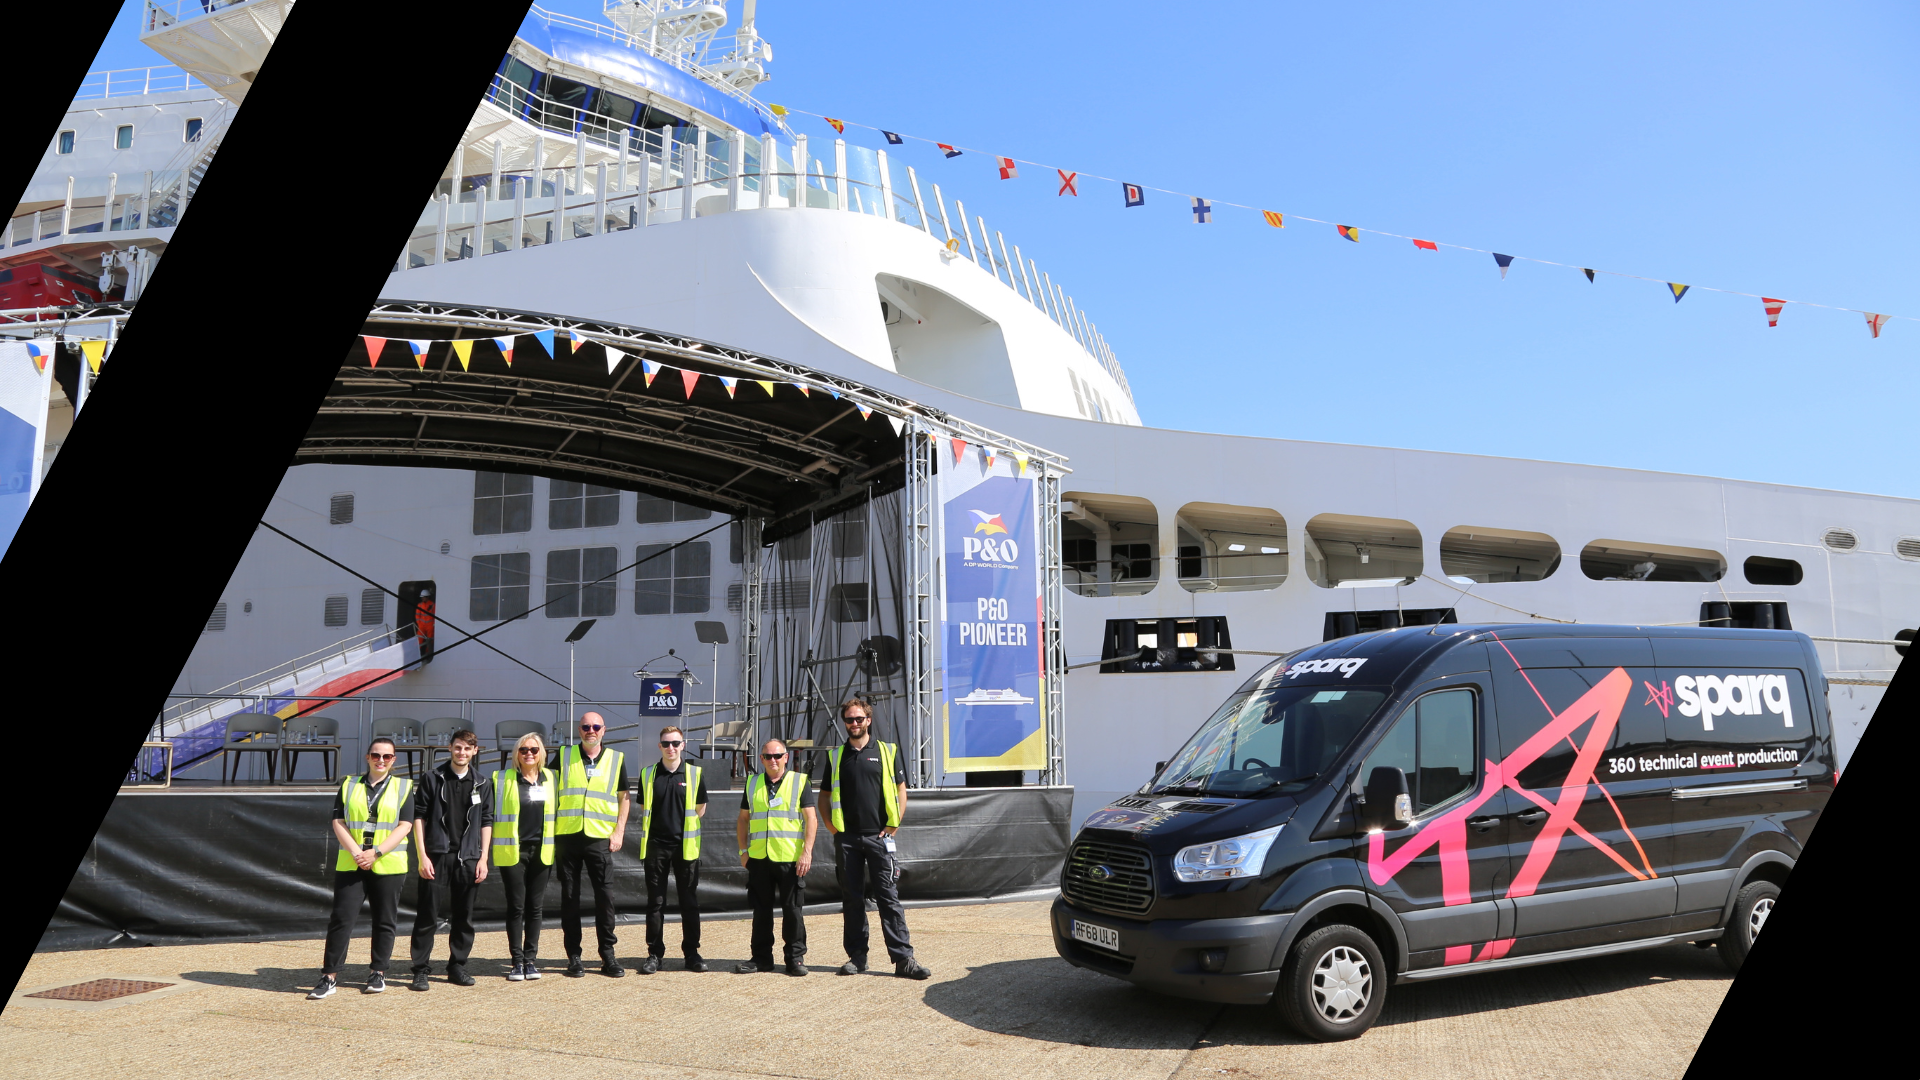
(1434,801)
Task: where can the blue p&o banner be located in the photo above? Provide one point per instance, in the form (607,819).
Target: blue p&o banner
(992,707)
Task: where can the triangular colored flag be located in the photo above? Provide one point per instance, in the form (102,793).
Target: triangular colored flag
(947,150)
(1275,218)
(462,351)
(1350,232)
(1202,211)
(898,424)
(767,385)
(420,350)
(838,126)
(648,369)
(1008,170)
(894,139)
(1069,182)
(865,413)
(1773,309)
(1020,461)
(1875,322)
(729,383)
(688,378)
(959,449)
(1134,194)
(95,351)
(374,345)
(505,345)
(802,389)
(614,356)
(545,338)
(986,453)
(1587,272)
(1504,261)
(777,110)
(1678,290)
(835,394)
(1426,245)
(40,354)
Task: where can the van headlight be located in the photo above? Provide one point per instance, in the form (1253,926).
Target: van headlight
(1239,857)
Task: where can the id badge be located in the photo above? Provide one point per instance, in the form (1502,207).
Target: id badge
(774,802)
(537,793)
(476,798)
(592,771)
(891,846)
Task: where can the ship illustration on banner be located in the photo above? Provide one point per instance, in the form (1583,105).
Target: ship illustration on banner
(978,696)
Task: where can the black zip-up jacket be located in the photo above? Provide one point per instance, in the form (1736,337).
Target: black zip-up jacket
(430,798)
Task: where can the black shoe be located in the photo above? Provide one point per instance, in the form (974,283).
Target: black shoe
(324,988)
(532,969)
(611,968)
(576,969)
(518,972)
(695,963)
(751,967)
(796,967)
(852,967)
(376,984)
(457,975)
(648,966)
(419,982)
(911,969)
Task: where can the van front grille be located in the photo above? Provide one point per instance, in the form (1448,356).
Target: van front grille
(1109,877)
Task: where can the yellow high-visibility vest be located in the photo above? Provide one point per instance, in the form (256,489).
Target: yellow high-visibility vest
(774,824)
(588,804)
(384,816)
(690,834)
(506,817)
(889,794)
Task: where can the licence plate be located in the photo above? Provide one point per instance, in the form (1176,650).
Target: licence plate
(1096,935)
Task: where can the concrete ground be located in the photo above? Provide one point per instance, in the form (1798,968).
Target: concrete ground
(1000,1004)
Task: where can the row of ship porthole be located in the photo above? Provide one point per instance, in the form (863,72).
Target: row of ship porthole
(1223,548)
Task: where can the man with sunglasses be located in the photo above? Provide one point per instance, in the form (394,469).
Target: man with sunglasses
(775,831)
(591,825)
(372,815)
(673,799)
(453,805)
(866,793)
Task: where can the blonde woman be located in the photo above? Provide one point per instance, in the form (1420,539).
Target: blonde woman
(523,850)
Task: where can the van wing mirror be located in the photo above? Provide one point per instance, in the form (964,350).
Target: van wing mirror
(1389,804)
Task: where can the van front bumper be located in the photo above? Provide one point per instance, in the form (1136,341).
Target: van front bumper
(1170,955)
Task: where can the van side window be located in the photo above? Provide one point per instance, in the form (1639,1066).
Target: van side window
(1433,743)
(1640,729)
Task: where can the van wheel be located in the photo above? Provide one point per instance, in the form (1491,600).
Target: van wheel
(1333,985)
(1750,911)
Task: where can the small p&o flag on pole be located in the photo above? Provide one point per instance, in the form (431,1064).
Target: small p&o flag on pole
(1875,322)
(947,150)
(1134,194)
(1504,261)
(1202,211)
(1069,182)
(838,125)
(1679,290)
(894,139)
(1275,218)
(1349,232)
(1773,309)
(1008,170)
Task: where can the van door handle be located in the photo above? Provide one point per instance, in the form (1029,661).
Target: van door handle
(1530,817)
(1482,824)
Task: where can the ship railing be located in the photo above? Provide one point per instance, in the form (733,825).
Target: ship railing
(121,82)
(159,15)
(693,65)
(189,711)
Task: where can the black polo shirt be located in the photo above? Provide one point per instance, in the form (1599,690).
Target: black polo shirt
(669,808)
(862,804)
(533,815)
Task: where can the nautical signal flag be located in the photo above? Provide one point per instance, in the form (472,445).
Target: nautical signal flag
(1349,232)
(1773,309)
(947,150)
(1587,272)
(1202,211)
(1008,170)
(778,110)
(1426,245)
(373,344)
(1875,322)
(505,345)
(1504,261)
(1134,194)
(462,351)
(838,126)
(1275,218)
(1679,290)
(894,139)
(1069,182)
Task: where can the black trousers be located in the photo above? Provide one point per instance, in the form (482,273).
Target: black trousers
(769,882)
(526,883)
(453,880)
(857,855)
(663,857)
(573,853)
(350,889)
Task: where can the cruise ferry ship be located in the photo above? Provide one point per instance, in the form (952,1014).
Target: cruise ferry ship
(625,172)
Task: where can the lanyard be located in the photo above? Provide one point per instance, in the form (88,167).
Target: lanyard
(373,802)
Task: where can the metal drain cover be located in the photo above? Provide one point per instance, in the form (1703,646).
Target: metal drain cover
(100,990)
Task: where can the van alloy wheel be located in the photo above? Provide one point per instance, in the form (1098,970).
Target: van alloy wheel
(1757,918)
(1752,906)
(1343,984)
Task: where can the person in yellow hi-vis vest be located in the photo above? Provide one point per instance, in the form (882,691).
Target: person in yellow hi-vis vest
(866,792)
(372,816)
(775,830)
(591,825)
(524,814)
(673,799)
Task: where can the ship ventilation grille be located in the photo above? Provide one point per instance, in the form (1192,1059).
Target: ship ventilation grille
(1908,548)
(1840,540)
(336,612)
(217,621)
(340,510)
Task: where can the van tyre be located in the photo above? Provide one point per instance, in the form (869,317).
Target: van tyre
(1750,910)
(1333,985)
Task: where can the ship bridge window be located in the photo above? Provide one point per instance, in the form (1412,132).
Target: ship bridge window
(612,113)
(936,339)
(1109,544)
(1347,552)
(1624,560)
(1473,554)
(65,145)
(1196,644)
(123,137)
(1226,548)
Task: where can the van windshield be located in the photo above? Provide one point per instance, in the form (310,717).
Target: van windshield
(1270,739)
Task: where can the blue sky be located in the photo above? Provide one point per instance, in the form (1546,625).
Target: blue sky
(1762,148)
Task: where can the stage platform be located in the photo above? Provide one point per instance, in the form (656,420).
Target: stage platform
(184,865)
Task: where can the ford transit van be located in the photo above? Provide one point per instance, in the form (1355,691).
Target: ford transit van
(1436,801)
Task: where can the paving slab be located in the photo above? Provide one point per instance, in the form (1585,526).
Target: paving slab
(1000,1004)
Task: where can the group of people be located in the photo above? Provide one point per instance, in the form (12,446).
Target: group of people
(524,822)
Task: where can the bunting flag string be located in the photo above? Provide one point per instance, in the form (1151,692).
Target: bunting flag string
(689,378)
(1773,309)
(959,449)
(1134,195)
(373,346)
(1275,218)
(1020,463)
(545,338)
(1008,170)
(729,383)
(899,425)
(1679,290)
(95,350)
(648,369)
(614,356)
(803,390)
(865,413)
(505,345)
(1504,261)
(462,351)
(986,455)
(767,385)
(420,351)
(1069,182)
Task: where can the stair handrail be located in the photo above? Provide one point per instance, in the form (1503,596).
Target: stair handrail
(257,683)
